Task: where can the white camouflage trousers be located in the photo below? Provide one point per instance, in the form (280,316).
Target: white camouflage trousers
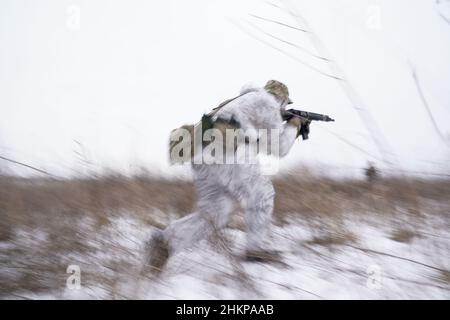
(218,186)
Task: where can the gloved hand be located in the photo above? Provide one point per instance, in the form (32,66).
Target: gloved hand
(302,126)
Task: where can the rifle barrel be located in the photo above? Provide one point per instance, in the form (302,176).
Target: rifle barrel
(308,115)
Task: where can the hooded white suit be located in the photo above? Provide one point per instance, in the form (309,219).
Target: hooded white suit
(219,184)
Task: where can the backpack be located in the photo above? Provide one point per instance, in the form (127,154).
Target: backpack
(193,130)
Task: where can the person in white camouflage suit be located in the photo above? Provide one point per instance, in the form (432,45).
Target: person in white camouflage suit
(218,185)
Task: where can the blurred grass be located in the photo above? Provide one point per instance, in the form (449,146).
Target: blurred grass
(59,207)
(28,201)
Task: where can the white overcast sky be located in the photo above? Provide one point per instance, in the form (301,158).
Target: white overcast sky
(120,77)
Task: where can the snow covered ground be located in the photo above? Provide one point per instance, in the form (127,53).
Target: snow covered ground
(362,255)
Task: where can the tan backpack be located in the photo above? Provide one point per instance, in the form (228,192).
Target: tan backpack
(194,131)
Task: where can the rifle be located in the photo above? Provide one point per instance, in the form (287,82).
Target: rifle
(306,115)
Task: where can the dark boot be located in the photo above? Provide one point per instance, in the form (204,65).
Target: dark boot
(158,252)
